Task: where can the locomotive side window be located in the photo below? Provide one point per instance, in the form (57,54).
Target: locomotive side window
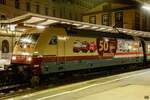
(53,40)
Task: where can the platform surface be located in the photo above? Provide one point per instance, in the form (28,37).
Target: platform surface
(131,92)
(127,86)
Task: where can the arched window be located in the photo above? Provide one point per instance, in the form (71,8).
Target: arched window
(5,46)
(3,2)
(17,4)
(3,17)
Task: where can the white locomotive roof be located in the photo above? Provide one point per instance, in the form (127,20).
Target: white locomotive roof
(36,20)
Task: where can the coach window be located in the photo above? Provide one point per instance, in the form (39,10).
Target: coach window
(53,40)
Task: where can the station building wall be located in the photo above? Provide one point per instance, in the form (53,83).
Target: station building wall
(118,15)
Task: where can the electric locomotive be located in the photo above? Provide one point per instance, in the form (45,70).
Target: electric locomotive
(66,46)
(61,49)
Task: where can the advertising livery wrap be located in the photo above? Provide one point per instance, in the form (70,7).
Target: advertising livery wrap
(106,47)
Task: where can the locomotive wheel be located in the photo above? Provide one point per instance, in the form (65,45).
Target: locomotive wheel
(35,80)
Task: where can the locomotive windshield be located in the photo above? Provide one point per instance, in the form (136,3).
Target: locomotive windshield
(29,38)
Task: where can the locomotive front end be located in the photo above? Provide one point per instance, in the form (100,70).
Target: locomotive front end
(24,50)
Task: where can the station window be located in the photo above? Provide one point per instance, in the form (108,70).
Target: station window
(137,21)
(54,12)
(3,2)
(119,19)
(61,14)
(92,19)
(17,4)
(3,17)
(28,6)
(53,0)
(144,22)
(46,10)
(105,7)
(37,8)
(105,19)
(70,15)
(53,40)
(5,46)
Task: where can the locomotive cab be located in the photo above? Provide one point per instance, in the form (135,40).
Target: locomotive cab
(36,46)
(24,48)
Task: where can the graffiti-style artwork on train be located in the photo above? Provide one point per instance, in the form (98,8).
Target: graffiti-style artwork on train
(84,46)
(127,46)
(123,46)
(106,47)
(92,46)
(77,46)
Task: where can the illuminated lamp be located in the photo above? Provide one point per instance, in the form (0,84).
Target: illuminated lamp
(146,7)
(13,58)
(29,59)
(40,27)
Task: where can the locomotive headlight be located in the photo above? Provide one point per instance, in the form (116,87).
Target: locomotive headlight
(130,47)
(25,46)
(29,59)
(13,58)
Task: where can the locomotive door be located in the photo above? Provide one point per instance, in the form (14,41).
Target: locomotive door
(61,53)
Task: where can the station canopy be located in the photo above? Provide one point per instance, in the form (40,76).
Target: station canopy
(41,21)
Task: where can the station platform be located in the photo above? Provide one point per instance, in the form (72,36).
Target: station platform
(130,92)
(126,86)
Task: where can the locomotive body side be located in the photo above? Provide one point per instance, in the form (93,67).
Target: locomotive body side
(76,52)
